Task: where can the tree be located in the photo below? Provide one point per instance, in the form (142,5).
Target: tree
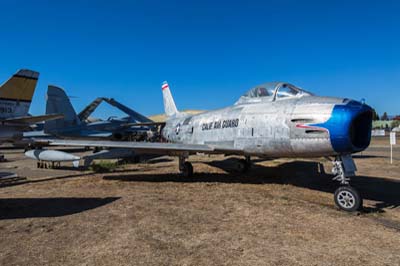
(375,115)
(395,123)
(385,117)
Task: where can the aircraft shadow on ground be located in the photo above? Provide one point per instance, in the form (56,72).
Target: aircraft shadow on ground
(15,181)
(20,180)
(305,174)
(48,207)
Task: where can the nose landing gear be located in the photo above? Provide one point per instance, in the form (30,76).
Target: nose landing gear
(346,197)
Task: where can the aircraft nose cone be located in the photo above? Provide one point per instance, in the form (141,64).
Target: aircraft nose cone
(350,127)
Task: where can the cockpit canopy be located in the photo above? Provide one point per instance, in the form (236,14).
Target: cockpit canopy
(272,91)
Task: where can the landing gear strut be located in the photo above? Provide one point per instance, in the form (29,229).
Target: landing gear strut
(244,164)
(185,167)
(346,197)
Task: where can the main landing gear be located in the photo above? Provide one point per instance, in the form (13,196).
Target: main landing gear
(186,168)
(346,197)
(244,164)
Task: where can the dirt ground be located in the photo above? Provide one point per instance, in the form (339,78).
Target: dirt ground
(279,213)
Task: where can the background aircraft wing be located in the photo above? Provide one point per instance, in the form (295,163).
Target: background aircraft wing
(88,110)
(132,114)
(32,119)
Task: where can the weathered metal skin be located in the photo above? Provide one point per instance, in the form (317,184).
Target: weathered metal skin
(303,125)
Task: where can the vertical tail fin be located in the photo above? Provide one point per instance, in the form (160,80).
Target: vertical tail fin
(17,92)
(59,103)
(169,103)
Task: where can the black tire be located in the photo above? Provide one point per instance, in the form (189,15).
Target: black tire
(187,170)
(243,166)
(348,199)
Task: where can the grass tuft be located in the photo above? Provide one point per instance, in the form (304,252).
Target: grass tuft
(104,167)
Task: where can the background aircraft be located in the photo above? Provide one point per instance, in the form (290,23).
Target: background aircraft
(15,99)
(77,126)
(133,116)
(271,120)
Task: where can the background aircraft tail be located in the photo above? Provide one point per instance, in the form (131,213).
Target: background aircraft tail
(169,103)
(133,115)
(88,110)
(59,103)
(16,94)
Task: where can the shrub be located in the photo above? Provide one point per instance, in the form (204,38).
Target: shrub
(104,167)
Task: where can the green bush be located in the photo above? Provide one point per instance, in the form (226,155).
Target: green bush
(104,167)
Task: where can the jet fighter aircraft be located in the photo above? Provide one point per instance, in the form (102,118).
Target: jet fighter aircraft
(15,99)
(271,120)
(76,126)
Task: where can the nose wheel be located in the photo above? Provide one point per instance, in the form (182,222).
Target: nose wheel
(346,197)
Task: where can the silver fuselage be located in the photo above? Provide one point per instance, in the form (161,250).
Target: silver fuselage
(301,126)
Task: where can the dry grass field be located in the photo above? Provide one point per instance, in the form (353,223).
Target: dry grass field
(279,213)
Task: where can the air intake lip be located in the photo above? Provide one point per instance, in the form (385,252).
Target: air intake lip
(350,130)
(349,127)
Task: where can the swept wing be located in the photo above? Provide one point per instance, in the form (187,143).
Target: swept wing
(144,147)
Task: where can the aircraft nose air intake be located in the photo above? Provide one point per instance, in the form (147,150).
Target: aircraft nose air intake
(350,127)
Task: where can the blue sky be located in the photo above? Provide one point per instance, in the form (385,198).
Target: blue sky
(210,52)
